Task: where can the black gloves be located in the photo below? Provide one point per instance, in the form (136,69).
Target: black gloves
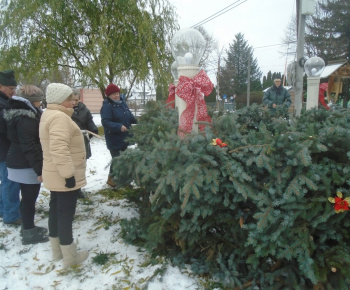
(70,182)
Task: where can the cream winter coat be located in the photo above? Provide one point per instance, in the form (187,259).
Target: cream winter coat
(63,149)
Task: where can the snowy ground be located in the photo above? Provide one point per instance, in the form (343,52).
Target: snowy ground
(96,229)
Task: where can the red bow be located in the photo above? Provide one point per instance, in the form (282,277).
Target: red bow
(192,91)
(171,97)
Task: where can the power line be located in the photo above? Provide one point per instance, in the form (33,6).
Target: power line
(279,44)
(219,13)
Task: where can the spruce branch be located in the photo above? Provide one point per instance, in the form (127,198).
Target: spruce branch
(265,216)
(249,146)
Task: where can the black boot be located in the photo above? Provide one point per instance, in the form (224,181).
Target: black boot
(81,194)
(33,236)
(40,230)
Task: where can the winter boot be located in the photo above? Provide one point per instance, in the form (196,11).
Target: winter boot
(71,256)
(32,236)
(56,249)
(110,181)
(40,230)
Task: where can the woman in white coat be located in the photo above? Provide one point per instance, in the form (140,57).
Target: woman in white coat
(63,170)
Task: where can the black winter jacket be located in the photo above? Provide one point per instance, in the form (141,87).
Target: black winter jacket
(23,132)
(83,118)
(4,142)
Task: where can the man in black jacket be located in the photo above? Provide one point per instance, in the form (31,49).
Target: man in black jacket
(83,118)
(9,190)
(82,115)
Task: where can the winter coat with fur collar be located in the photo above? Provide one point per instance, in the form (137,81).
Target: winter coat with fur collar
(23,131)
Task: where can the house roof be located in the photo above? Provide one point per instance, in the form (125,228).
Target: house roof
(332,67)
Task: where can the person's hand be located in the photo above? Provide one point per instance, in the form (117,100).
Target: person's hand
(70,182)
(274,106)
(40,178)
(124,129)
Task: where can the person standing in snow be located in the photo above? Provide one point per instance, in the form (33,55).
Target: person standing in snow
(276,96)
(25,158)
(9,190)
(116,120)
(63,170)
(83,118)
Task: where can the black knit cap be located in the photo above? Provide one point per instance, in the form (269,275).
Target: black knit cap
(7,78)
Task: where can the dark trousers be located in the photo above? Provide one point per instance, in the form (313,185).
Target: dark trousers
(114,153)
(61,215)
(29,194)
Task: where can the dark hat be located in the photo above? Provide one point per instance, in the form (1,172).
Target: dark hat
(111,89)
(7,78)
(31,93)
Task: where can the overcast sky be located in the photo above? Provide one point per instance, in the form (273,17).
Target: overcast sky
(263,23)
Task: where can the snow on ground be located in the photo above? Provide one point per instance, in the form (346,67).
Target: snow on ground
(96,229)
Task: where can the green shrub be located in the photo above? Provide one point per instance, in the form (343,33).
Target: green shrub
(253,213)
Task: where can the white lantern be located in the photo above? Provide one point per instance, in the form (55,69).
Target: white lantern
(314,66)
(187,47)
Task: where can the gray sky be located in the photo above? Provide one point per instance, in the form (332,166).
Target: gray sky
(263,23)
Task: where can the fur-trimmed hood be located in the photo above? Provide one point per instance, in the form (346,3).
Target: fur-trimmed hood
(20,107)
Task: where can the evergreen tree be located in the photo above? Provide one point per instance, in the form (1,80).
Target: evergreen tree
(253,214)
(328,34)
(234,73)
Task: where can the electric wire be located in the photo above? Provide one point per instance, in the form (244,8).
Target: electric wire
(228,8)
(219,13)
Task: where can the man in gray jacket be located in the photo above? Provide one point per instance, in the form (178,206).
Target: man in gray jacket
(276,96)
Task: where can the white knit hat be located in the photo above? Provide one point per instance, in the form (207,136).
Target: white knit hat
(57,93)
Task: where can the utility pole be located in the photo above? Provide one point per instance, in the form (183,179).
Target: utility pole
(304,7)
(299,70)
(248,82)
(218,86)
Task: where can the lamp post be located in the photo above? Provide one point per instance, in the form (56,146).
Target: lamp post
(304,8)
(314,67)
(187,47)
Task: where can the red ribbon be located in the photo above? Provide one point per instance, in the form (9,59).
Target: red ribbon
(192,91)
(171,96)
